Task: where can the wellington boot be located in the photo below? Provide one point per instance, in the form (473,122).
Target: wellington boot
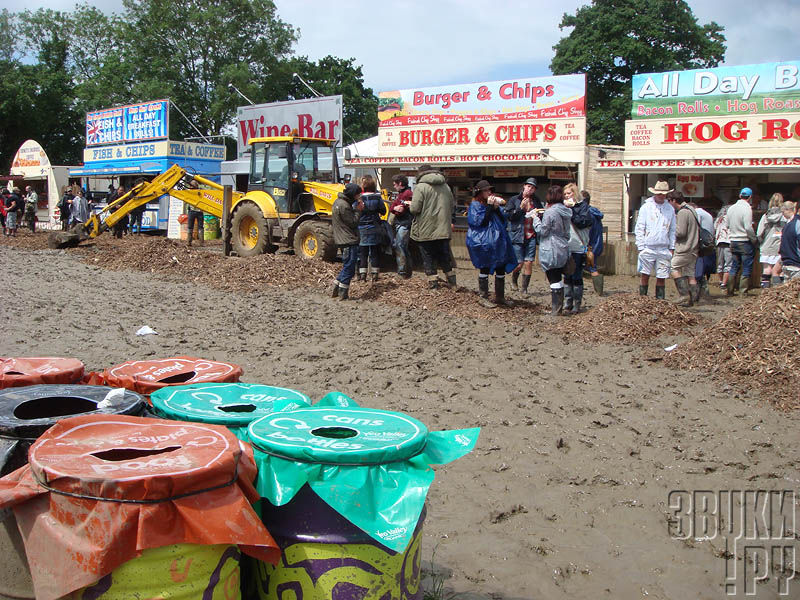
(526,281)
(705,293)
(577,299)
(730,288)
(344,293)
(643,290)
(661,292)
(597,284)
(694,292)
(515,281)
(557,302)
(374,277)
(335,289)
(744,285)
(682,285)
(567,297)
(362,276)
(500,292)
(451,279)
(483,293)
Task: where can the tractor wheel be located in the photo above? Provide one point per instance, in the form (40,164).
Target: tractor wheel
(314,239)
(249,231)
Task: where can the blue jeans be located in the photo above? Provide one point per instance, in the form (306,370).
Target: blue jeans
(577,275)
(744,253)
(525,251)
(401,253)
(349,262)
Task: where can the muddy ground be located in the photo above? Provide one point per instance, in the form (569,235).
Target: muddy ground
(566,494)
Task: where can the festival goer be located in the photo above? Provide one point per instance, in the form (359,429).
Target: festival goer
(402,224)
(769,236)
(655,238)
(722,239)
(489,245)
(12,201)
(581,223)
(552,234)
(118,229)
(687,247)
(31,202)
(195,217)
(432,208)
(790,246)
(520,229)
(344,221)
(3,197)
(370,229)
(65,207)
(743,242)
(705,265)
(595,245)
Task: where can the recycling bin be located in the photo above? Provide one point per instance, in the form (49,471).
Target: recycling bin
(344,488)
(124,507)
(19,371)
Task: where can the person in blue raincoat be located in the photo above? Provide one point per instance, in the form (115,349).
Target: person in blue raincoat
(489,244)
(370,229)
(595,245)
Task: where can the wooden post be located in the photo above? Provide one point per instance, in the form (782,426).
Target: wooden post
(227,196)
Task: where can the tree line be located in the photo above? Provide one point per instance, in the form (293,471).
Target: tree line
(59,65)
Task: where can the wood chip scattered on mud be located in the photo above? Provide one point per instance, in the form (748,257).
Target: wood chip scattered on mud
(757,345)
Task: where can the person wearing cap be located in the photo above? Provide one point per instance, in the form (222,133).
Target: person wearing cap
(655,239)
(520,229)
(344,222)
(489,245)
(687,248)
(743,242)
(432,207)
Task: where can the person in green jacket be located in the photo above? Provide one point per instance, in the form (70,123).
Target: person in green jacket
(432,208)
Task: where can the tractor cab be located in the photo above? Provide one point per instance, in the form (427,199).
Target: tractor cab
(279,166)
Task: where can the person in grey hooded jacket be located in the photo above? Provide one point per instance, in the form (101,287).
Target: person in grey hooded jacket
(553,231)
(769,236)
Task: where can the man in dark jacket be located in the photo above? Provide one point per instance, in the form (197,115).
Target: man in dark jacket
(402,224)
(520,228)
(345,236)
(432,207)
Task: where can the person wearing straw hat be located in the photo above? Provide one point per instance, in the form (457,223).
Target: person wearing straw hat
(655,238)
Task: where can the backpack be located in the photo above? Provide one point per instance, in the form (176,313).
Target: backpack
(707,245)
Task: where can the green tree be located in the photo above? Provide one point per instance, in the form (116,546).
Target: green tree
(612,40)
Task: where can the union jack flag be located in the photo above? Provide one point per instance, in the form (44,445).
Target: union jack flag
(93,132)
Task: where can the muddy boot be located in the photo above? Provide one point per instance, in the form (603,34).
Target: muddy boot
(335,290)
(597,284)
(577,299)
(704,291)
(433,282)
(500,292)
(526,281)
(661,292)
(451,278)
(744,284)
(682,285)
(344,293)
(730,288)
(556,301)
(694,292)
(515,281)
(567,293)
(642,290)
(375,276)
(483,293)
(362,274)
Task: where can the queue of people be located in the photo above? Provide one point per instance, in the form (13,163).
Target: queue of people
(669,237)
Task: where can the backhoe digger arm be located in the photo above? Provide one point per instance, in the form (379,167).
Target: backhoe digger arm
(173,181)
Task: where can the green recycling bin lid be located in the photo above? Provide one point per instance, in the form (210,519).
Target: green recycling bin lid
(230,404)
(354,436)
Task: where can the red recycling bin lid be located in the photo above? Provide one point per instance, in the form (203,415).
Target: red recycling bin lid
(118,485)
(147,376)
(17,372)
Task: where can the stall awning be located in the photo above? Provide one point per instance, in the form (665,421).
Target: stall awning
(460,160)
(111,171)
(697,164)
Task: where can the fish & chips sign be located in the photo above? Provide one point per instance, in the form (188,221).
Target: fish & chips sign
(131,123)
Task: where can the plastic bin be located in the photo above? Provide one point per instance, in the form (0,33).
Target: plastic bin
(16,372)
(127,507)
(344,488)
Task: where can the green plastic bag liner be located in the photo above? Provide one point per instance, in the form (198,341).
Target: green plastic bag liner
(372,466)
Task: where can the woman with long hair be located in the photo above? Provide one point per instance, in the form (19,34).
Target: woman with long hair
(553,232)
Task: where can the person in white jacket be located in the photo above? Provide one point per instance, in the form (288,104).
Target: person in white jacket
(655,238)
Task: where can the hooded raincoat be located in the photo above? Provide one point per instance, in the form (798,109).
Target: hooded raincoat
(552,232)
(488,241)
(769,231)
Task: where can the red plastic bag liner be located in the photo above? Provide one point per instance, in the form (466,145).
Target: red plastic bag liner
(16,372)
(147,376)
(100,489)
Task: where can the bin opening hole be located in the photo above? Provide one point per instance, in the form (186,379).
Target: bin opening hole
(334,432)
(120,454)
(178,378)
(53,406)
(237,408)
(14,373)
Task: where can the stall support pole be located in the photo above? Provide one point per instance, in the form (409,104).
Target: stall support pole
(227,195)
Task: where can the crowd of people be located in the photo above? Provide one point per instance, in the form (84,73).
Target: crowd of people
(678,239)
(16,209)
(502,236)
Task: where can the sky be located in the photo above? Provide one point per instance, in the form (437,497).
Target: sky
(422,43)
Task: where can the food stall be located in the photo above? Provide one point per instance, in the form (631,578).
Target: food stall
(710,132)
(127,143)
